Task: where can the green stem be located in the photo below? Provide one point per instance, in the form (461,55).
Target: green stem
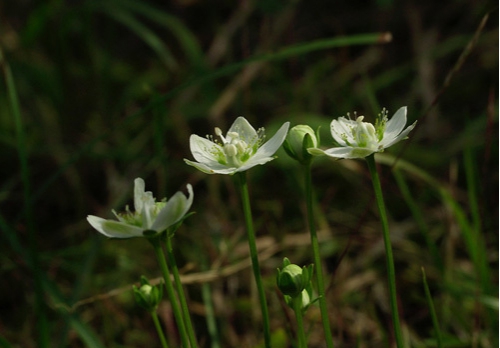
(317,258)
(297,308)
(388,249)
(170,291)
(180,292)
(245,200)
(154,315)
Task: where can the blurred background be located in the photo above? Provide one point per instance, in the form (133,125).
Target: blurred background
(97,93)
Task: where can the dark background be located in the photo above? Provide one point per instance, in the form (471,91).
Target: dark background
(111,90)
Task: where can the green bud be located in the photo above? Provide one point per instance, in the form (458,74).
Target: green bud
(148,296)
(299,139)
(292,279)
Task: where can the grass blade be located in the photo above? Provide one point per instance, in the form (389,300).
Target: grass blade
(473,240)
(145,34)
(432,310)
(419,219)
(40,307)
(185,38)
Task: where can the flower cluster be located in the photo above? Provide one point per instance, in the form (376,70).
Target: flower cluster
(242,148)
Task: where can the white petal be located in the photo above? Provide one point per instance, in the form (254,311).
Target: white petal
(215,168)
(226,171)
(272,145)
(244,129)
(341,128)
(389,142)
(175,209)
(252,162)
(203,150)
(114,229)
(395,125)
(139,187)
(348,152)
(147,219)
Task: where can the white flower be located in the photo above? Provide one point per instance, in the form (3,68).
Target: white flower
(242,148)
(149,216)
(358,139)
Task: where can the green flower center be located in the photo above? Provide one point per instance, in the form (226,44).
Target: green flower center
(236,149)
(380,124)
(136,218)
(364,133)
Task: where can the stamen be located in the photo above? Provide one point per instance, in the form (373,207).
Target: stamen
(240,145)
(380,124)
(218,132)
(230,150)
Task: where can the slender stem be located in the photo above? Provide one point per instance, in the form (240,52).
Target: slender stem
(170,291)
(180,292)
(388,249)
(317,258)
(297,308)
(154,315)
(245,200)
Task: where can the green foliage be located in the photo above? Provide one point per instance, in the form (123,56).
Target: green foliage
(97,93)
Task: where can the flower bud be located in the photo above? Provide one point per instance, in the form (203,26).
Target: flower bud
(148,296)
(298,140)
(305,299)
(292,279)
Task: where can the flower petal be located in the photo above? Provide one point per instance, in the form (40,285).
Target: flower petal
(252,162)
(175,209)
(204,150)
(348,152)
(244,129)
(389,142)
(395,125)
(139,187)
(215,168)
(272,145)
(341,129)
(114,229)
(147,219)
